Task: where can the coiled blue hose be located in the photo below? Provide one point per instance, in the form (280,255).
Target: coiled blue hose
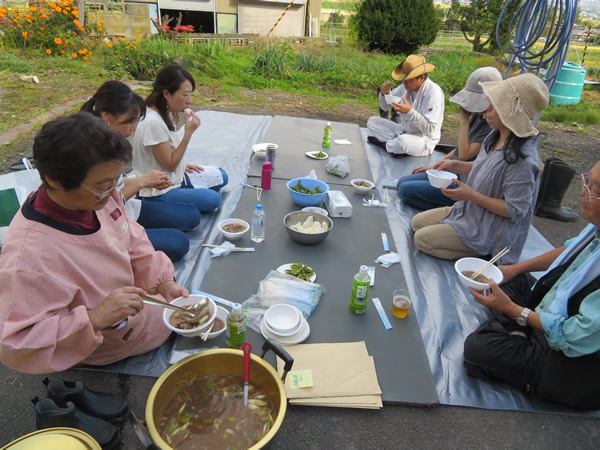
(528,24)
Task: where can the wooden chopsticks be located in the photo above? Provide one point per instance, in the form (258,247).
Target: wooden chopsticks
(500,254)
(223,246)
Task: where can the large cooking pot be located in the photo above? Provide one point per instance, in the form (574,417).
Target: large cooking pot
(217,362)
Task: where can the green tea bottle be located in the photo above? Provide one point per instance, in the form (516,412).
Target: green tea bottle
(327,130)
(236,327)
(360,291)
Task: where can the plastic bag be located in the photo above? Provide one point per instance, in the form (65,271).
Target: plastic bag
(281,288)
(338,165)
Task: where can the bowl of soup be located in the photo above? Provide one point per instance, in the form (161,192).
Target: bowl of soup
(220,323)
(233,229)
(197,402)
(182,323)
(466,267)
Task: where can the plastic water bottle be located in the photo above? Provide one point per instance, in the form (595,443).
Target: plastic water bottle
(236,327)
(360,291)
(257,227)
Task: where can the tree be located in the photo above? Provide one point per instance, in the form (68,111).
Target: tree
(477,20)
(396,26)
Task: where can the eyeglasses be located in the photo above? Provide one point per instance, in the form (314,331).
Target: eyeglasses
(585,181)
(106,193)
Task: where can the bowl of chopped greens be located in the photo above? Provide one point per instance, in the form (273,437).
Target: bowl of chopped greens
(307,191)
(362,186)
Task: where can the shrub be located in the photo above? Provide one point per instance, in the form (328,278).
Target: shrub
(272,61)
(396,26)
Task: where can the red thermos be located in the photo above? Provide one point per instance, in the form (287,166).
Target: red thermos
(265,179)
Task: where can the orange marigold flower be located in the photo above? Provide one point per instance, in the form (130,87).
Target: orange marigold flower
(85,58)
(76,22)
(101,23)
(108,44)
(81,52)
(16,11)
(24,33)
(42,1)
(58,9)
(92,17)
(100,29)
(57,41)
(33,9)
(48,51)
(74,55)
(19,25)
(65,13)
(62,52)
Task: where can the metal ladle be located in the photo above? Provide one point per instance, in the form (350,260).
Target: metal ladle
(194,312)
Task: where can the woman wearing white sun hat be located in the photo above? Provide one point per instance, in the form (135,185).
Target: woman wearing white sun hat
(494,206)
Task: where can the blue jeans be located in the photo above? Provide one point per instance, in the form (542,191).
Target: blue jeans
(415,190)
(205,200)
(173,242)
(180,216)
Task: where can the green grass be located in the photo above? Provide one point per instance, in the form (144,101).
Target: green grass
(330,74)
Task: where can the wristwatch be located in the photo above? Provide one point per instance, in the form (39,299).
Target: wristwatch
(521,319)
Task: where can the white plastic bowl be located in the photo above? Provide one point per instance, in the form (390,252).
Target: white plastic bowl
(188,301)
(361,189)
(440,178)
(316,209)
(474,264)
(283,319)
(233,236)
(221,314)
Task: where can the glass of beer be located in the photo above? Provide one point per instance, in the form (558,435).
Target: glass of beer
(401,303)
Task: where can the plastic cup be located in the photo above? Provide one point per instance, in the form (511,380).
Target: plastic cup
(401,303)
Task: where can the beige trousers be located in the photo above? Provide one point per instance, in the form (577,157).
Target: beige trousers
(436,238)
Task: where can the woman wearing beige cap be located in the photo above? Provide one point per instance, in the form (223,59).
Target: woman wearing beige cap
(494,206)
(415,189)
(420,103)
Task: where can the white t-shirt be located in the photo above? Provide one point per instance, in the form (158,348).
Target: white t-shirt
(152,131)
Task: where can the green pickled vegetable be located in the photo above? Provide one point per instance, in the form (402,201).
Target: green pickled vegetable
(301,271)
(299,188)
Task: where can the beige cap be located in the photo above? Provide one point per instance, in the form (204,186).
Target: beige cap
(472,98)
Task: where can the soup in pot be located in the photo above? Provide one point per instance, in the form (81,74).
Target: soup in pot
(209,413)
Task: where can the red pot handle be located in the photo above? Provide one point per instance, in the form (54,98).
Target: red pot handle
(247,348)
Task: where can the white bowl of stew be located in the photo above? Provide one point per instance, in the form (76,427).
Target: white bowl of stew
(186,302)
(233,229)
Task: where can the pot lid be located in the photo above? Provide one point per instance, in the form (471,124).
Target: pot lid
(60,438)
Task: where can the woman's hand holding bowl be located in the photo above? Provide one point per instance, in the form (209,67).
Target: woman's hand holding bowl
(462,192)
(120,304)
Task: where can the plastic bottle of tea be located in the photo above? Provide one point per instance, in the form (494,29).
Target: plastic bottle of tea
(236,327)
(326,137)
(360,291)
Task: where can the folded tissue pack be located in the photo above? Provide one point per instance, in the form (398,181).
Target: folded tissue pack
(338,204)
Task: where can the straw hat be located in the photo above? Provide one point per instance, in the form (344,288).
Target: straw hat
(472,98)
(517,101)
(412,67)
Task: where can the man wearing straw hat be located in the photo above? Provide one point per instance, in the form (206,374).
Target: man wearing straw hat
(544,337)
(421,106)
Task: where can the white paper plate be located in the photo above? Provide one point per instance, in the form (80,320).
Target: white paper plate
(313,155)
(295,338)
(284,267)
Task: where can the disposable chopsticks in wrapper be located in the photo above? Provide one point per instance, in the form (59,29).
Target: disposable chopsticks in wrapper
(343,376)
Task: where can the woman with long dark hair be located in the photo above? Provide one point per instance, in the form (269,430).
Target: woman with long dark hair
(165,223)
(494,206)
(158,145)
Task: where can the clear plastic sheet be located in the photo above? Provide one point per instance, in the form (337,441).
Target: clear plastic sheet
(281,288)
(445,310)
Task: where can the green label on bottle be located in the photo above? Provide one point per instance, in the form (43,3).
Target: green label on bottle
(236,333)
